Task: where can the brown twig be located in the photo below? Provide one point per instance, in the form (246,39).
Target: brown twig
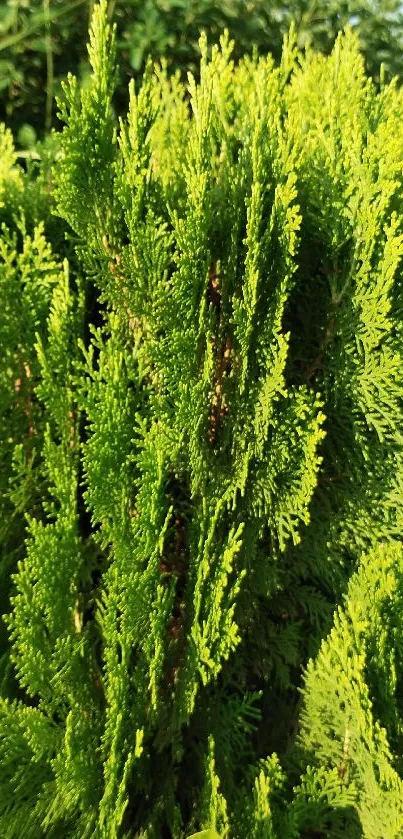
(223,356)
(343,766)
(174,564)
(317,362)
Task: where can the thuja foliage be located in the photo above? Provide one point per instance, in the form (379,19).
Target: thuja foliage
(202,424)
(40,41)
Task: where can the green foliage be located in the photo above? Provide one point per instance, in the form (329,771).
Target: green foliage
(215,408)
(204,834)
(351,718)
(42,40)
(10,177)
(28,275)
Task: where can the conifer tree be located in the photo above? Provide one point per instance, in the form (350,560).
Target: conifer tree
(218,381)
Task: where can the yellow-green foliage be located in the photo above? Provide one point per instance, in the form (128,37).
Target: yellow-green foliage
(351,722)
(10,174)
(219,406)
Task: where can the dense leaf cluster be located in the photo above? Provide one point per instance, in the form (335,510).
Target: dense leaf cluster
(40,41)
(202,462)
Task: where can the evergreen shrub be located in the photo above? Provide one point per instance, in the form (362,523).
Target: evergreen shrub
(201,449)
